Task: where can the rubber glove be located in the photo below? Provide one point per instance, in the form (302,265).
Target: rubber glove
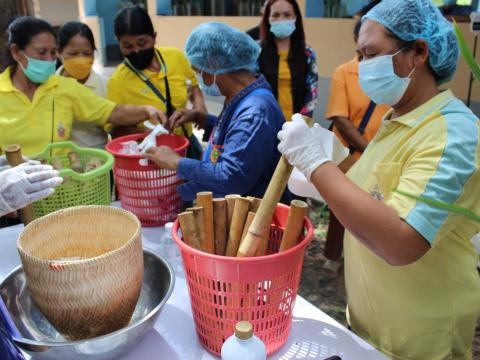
(4,163)
(24,184)
(151,139)
(308,148)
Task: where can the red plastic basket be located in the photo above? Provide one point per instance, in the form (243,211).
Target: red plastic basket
(146,190)
(224,290)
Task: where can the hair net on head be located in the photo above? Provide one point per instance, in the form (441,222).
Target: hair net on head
(217,48)
(410,20)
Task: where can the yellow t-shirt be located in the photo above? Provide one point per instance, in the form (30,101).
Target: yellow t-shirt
(347,99)
(125,87)
(285,98)
(49,117)
(428,309)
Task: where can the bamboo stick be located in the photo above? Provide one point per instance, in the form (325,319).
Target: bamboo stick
(239,217)
(248,222)
(230,206)
(257,234)
(263,246)
(204,199)
(255,204)
(189,230)
(199,217)
(220,225)
(294,227)
(14,157)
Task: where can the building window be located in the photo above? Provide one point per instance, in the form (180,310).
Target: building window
(215,7)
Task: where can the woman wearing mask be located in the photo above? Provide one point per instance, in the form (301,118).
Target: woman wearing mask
(288,64)
(241,155)
(410,269)
(76,47)
(38,107)
(153,76)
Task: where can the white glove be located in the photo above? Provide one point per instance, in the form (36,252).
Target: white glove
(331,144)
(308,148)
(151,139)
(24,184)
(4,163)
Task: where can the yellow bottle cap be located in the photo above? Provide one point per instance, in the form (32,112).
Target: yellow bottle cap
(243,330)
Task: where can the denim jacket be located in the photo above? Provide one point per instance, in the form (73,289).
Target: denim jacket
(242,153)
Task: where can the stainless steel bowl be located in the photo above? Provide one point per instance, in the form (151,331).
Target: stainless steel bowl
(42,341)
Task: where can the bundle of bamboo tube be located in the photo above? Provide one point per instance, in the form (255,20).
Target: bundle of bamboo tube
(219,226)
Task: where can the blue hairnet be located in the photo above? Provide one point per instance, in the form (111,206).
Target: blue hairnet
(217,48)
(411,20)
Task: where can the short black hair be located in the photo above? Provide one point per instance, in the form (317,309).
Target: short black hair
(72,29)
(133,20)
(356,29)
(21,31)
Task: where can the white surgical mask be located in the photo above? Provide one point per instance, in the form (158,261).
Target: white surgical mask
(379,81)
(212,90)
(282,29)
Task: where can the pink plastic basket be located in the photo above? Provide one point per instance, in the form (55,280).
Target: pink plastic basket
(224,290)
(146,190)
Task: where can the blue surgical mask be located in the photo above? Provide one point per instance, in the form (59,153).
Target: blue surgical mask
(379,81)
(212,90)
(282,29)
(38,71)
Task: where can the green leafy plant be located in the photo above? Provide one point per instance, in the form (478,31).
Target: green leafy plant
(441,205)
(466,52)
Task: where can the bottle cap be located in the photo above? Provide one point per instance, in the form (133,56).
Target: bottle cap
(243,330)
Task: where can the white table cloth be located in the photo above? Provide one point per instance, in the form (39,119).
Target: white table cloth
(314,335)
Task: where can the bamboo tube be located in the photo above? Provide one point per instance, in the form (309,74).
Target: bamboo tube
(199,217)
(294,227)
(75,162)
(248,222)
(257,234)
(263,247)
(14,157)
(189,230)
(230,206)
(204,199)
(239,217)
(220,225)
(255,204)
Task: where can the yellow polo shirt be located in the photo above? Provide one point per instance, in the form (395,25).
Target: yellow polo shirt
(125,87)
(49,116)
(426,310)
(285,98)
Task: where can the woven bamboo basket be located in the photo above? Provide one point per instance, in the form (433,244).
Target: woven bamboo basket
(84,268)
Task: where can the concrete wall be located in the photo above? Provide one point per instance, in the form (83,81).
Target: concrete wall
(58,12)
(330,38)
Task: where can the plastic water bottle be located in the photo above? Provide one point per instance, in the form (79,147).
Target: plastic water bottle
(243,345)
(170,249)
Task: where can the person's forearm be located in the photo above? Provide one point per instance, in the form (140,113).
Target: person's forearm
(198,101)
(350,133)
(373,223)
(199,106)
(125,115)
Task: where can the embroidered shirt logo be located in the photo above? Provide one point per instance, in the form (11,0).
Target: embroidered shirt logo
(217,151)
(376,192)
(60,130)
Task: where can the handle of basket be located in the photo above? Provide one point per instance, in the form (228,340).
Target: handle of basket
(257,233)
(14,158)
